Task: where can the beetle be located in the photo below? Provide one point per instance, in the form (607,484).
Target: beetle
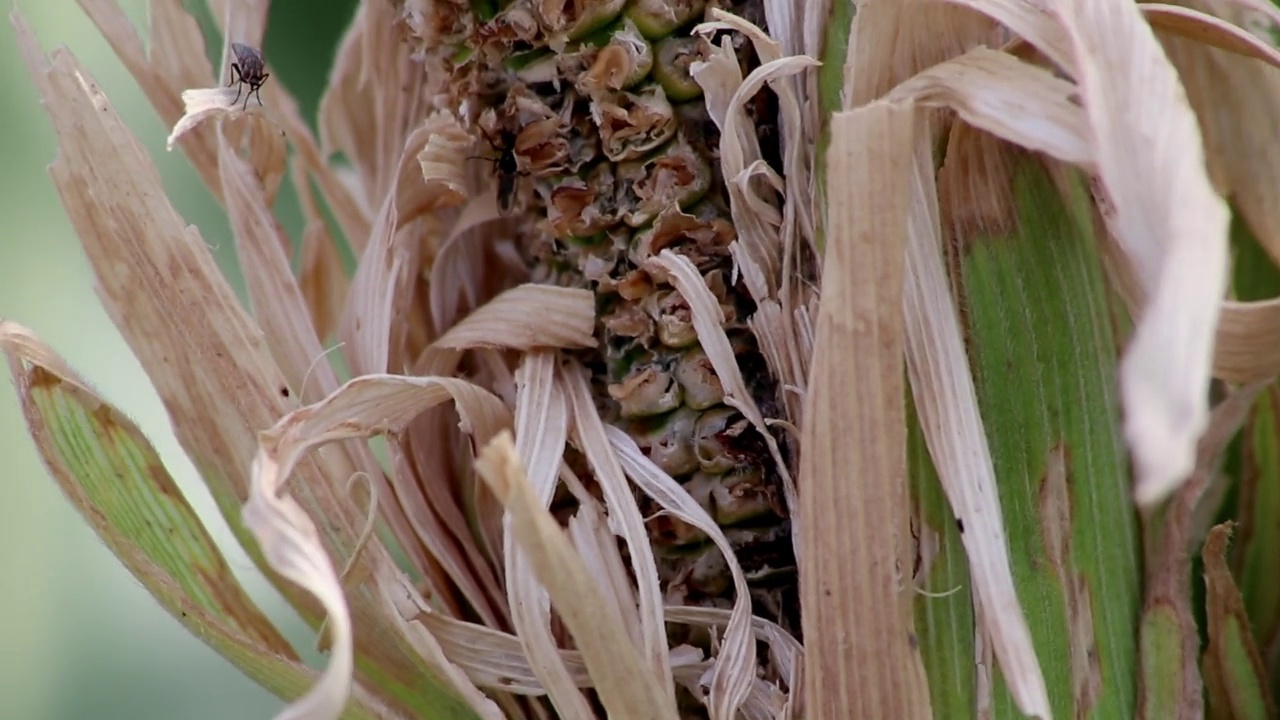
(248,70)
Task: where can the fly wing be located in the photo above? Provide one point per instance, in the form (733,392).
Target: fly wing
(250,60)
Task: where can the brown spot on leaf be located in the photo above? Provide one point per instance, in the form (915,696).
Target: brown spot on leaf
(1055,526)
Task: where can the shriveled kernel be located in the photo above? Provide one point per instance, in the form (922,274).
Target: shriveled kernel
(535,66)
(705,241)
(627,319)
(715,428)
(572,21)
(578,206)
(616,63)
(671,68)
(668,440)
(646,391)
(657,18)
(694,372)
(740,496)
(633,124)
(674,176)
(673,319)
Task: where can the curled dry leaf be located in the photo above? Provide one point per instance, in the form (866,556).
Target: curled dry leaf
(542,426)
(798,216)
(1017,101)
(361,408)
(404,229)
(202,104)
(735,665)
(1174,233)
(1209,31)
(626,689)
(292,545)
(526,317)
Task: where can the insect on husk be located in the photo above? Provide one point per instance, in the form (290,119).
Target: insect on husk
(506,167)
(247,70)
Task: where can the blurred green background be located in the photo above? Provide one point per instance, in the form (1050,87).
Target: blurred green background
(79,637)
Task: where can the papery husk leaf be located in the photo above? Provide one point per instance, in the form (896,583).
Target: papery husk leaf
(735,666)
(947,406)
(862,658)
(206,358)
(647,626)
(167,69)
(888,43)
(1236,100)
(241,122)
(764,230)
(1020,102)
(113,476)
(291,544)
(363,407)
(246,23)
(116,202)
(323,276)
(625,688)
(275,297)
(1032,285)
(277,301)
(362,112)
(1206,31)
(404,229)
(171,68)
(1239,688)
(891,42)
(496,659)
(542,424)
(779,69)
(525,317)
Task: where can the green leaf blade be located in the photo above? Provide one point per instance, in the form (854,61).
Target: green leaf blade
(1044,359)
(113,476)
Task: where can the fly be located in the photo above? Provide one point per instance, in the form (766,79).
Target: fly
(247,70)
